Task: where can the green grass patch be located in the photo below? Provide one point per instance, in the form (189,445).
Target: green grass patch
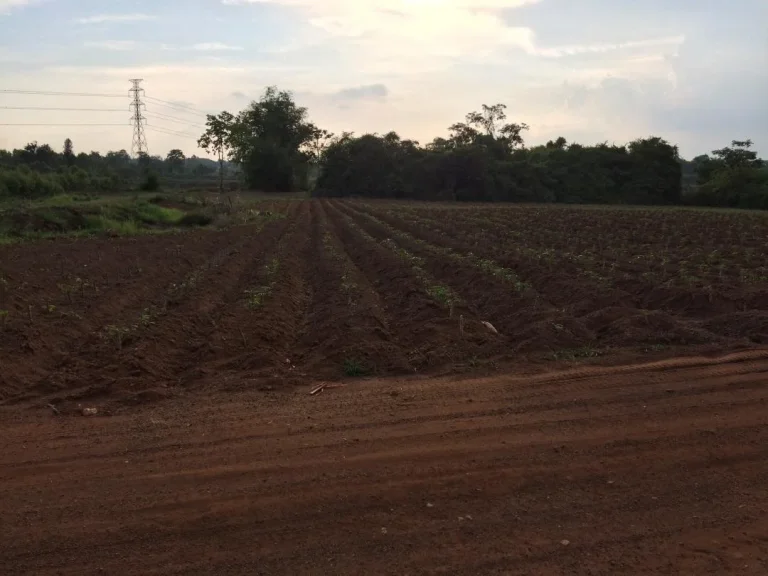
(575,354)
(80,216)
(354,368)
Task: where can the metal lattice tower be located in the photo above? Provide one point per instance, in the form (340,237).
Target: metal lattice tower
(139,144)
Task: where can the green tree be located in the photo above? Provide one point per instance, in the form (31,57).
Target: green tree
(143,160)
(318,143)
(487,128)
(269,141)
(217,139)
(69,153)
(175,160)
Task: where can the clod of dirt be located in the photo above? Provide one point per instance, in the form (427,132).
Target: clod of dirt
(90,411)
(565,542)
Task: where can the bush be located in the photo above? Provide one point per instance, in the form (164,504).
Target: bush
(150,184)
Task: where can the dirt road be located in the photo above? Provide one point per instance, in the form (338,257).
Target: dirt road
(661,469)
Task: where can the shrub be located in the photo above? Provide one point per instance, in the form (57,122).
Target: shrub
(150,184)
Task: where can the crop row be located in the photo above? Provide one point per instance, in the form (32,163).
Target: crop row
(603,265)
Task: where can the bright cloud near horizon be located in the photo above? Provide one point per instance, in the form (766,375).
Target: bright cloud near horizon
(693,72)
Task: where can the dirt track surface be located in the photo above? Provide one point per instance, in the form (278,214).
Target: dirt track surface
(656,469)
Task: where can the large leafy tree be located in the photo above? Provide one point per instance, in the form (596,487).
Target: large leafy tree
(269,140)
(175,160)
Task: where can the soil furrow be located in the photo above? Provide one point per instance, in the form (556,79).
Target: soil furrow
(428,330)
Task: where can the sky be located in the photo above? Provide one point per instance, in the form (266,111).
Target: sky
(694,72)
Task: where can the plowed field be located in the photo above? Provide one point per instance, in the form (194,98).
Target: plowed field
(545,390)
(335,289)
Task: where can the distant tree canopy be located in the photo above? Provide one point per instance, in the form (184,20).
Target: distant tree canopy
(485,159)
(38,170)
(732,177)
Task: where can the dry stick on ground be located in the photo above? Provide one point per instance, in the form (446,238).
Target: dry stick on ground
(461,324)
(245,342)
(317,389)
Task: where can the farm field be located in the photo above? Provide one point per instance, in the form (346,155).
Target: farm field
(323,290)
(515,390)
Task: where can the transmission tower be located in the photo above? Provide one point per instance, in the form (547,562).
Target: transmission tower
(139,144)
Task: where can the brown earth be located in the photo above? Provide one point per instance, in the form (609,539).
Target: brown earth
(348,289)
(463,451)
(654,469)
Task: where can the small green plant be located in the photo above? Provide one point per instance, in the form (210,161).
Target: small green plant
(119,334)
(3,319)
(575,353)
(68,289)
(444,295)
(147,317)
(353,368)
(255,296)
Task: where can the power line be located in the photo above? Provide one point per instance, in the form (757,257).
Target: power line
(171,133)
(177,106)
(62,109)
(172,119)
(177,109)
(51,93)
(4,124)
(165,128)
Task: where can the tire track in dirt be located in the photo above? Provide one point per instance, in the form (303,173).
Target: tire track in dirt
(420,324)
(421,481)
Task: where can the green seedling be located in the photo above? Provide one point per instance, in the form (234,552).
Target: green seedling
(3,318)
(353,368)
(118,334)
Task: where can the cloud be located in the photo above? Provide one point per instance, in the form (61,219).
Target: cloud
(105,18)
(203,47)
(369,92)
(116,45)
(412,37)
(214,47)
(239,95)
(7,5)
(561,51)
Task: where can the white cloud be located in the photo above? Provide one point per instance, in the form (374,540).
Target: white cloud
(561,51)
(214,47)
(104,18)
(116,45)
(7,5)
(203,47)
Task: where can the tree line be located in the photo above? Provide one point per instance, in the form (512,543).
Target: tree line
(483,159)
(274,147)
(38,170)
